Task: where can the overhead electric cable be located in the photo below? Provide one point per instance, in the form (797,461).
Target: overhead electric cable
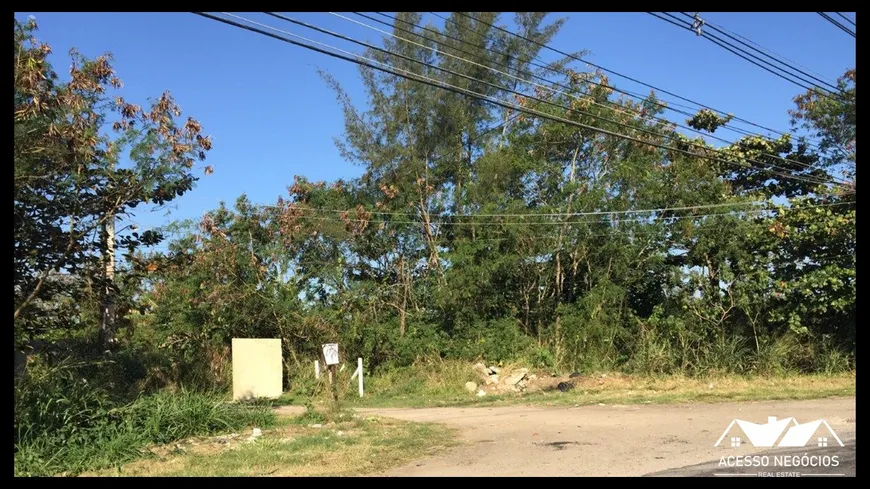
(832,87)
(438,84)
(799,163)
(728,47)
(834,21)
(568,55)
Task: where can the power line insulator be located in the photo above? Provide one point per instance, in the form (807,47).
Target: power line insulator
(697,23)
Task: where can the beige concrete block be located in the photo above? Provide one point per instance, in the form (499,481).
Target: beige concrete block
(258,368)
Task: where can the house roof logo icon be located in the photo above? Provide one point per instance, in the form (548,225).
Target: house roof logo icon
(767,435)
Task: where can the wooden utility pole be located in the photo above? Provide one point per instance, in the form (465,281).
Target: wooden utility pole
(333,380)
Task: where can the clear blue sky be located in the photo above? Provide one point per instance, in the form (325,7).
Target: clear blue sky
(272,117)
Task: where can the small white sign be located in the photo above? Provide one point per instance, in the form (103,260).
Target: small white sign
(330,353)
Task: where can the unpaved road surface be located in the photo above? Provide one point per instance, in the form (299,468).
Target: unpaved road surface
(618,440)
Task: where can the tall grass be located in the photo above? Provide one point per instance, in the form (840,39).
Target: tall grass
(66,425)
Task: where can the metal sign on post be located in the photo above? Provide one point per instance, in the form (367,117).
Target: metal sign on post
(330,354)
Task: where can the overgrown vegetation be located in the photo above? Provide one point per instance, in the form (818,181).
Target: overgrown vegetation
(429,385)
(350,447)
(462,240)
(473,233)
(66,424)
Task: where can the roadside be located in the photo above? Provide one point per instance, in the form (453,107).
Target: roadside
(299,446)
(604,425)
(543,389)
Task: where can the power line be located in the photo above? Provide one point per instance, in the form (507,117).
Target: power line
(553,214)
(609,104)
(729,47)
(438,84)
(847,18)
(538,85)
(795,63)
(750,46)
(834,21)
(531,62)
(563,53)
(600,214)
(534,61)
(631,94)
(757,61)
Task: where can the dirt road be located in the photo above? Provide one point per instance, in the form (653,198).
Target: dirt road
(618,440)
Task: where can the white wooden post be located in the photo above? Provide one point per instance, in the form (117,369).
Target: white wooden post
(360,370)
(316,369)
(358,373)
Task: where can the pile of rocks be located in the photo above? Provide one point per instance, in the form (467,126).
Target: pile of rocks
(500,380)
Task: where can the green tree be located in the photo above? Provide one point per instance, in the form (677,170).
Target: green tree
(73,180)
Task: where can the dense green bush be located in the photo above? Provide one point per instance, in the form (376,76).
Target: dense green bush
(67,424)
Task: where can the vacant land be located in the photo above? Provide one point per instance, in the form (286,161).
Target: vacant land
(615,388)
(606,425)
(297,447)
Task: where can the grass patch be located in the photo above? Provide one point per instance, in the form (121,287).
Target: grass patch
(350,446)
(65,425)
(670,390)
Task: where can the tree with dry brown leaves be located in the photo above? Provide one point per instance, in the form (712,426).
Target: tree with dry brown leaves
(74,179)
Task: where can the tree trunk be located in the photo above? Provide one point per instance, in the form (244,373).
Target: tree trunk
(107,304)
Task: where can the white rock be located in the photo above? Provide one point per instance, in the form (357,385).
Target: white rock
(471,386)
(492,379)
(515,376)
(257,432)
(318,425)
(481,393)
(481,370)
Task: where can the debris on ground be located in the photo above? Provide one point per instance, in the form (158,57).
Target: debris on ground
(256,433)
(510,379)
(471,386)
(481,393)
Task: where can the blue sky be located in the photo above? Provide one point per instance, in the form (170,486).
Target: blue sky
(272,117)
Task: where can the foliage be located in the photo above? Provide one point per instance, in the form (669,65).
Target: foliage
(72,178)
(474,233)
(65,423)
(460,239)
